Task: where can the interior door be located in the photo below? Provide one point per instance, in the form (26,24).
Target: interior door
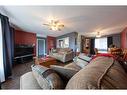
(41,47)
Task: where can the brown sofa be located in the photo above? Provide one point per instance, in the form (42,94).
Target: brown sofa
(62,54)
(101,73)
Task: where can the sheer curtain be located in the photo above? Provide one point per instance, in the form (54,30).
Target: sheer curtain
(2,77)
(101,44)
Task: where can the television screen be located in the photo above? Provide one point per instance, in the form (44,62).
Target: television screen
(22,50)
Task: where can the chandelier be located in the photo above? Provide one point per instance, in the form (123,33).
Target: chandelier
(54,25)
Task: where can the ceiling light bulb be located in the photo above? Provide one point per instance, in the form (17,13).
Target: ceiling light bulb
(54,28)
(98,34)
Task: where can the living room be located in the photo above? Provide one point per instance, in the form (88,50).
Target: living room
(47,37)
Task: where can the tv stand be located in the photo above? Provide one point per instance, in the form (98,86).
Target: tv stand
(23,58)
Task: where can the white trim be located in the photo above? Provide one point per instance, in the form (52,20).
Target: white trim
(2,76)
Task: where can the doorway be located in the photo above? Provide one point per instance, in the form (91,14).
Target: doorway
(41,47)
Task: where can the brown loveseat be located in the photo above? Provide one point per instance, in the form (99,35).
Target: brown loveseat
(62,54)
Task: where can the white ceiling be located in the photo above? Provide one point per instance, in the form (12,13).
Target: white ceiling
(86,20)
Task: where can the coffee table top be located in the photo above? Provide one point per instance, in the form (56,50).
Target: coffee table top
(45,59)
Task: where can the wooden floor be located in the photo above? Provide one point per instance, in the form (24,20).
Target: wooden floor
(18,70)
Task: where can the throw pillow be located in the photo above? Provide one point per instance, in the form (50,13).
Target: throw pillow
(73,66)
(82,60)
(84,57)
(46,78)
(65,72)
(54,51)
(81,63)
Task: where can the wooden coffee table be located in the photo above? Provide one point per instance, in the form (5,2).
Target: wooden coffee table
(45,61)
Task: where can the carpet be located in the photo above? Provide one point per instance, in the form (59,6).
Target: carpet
(18,70)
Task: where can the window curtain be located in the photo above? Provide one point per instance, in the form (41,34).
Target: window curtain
(92,45)
(110,41)
(12,43)
(76,45)
(7,45)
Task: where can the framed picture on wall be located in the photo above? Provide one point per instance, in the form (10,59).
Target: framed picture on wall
(87,42)
(126,40)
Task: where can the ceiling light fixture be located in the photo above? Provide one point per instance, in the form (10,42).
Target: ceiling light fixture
(54,25)
(98,35)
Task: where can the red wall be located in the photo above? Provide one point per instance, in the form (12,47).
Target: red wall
(51,43)
(124,38)
(22,37)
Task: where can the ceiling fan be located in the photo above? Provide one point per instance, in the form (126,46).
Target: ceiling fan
(54,25)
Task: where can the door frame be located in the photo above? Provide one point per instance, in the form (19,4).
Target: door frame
(37,48)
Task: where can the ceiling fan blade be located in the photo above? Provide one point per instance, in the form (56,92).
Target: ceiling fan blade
(52,21)
(56,21)
(61,25)
(46,24)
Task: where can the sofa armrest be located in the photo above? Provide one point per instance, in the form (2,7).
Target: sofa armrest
(68,56)
(52,51)
(27,81)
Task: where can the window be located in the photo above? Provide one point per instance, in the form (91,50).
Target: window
(101,44)
(63,43)
(66,42)
(2,78)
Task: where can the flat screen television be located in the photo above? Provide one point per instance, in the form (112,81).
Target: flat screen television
(22,50)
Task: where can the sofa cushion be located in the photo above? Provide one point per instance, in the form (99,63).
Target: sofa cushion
(73,66)
(58,56)
(63,50)
(46,78)
(101,73)
(84,57)
(82,60)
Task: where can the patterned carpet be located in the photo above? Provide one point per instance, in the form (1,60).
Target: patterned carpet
(18,70)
